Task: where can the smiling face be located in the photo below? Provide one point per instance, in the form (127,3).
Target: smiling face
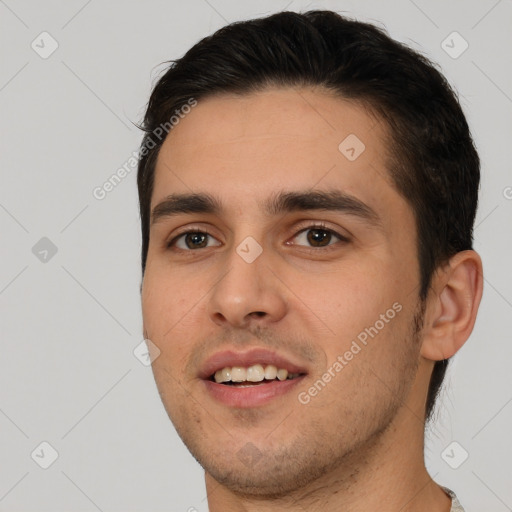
(244,269)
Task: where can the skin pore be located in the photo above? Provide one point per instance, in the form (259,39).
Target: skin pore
(323,276)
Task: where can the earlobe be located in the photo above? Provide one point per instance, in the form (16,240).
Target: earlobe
(456,294)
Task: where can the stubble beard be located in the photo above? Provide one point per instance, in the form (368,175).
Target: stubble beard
(288,469)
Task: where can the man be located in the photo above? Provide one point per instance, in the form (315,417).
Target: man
(308,188)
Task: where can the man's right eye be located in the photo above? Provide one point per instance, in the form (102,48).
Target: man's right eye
(192,240)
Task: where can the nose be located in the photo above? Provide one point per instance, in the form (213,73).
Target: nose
(247,293)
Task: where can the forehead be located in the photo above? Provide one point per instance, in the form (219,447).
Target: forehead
(249,145)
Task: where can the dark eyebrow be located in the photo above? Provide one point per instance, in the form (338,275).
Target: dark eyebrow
(281,202)
(319,200)
(176,204)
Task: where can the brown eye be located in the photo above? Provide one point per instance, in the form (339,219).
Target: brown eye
(196,240)
(319,237)
(192,240)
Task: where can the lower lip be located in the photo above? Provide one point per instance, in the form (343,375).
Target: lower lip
(252,396)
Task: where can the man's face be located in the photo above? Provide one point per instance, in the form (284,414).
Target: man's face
(281,282)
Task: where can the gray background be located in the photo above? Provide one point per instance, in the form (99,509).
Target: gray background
(70,321)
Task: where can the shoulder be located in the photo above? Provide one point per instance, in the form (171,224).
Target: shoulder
(456,506)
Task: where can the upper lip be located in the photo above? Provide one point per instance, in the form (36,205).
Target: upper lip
(263,356)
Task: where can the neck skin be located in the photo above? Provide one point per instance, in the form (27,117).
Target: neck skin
(388,475)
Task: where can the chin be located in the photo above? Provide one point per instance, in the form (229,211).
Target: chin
(268,476)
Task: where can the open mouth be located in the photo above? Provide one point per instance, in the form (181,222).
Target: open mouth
(254,375)
(253,378)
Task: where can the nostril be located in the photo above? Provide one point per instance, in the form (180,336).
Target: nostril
(258,313)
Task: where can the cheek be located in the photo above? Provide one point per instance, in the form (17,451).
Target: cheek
(351,298)
(173,315)
(166,297)
(162,309)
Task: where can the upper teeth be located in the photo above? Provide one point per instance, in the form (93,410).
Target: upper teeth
(254,373)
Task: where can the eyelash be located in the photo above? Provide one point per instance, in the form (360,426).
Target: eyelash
(301,229)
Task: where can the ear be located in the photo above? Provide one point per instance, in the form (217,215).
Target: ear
(452,306)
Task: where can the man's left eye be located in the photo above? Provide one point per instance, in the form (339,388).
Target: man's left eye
(318,237)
